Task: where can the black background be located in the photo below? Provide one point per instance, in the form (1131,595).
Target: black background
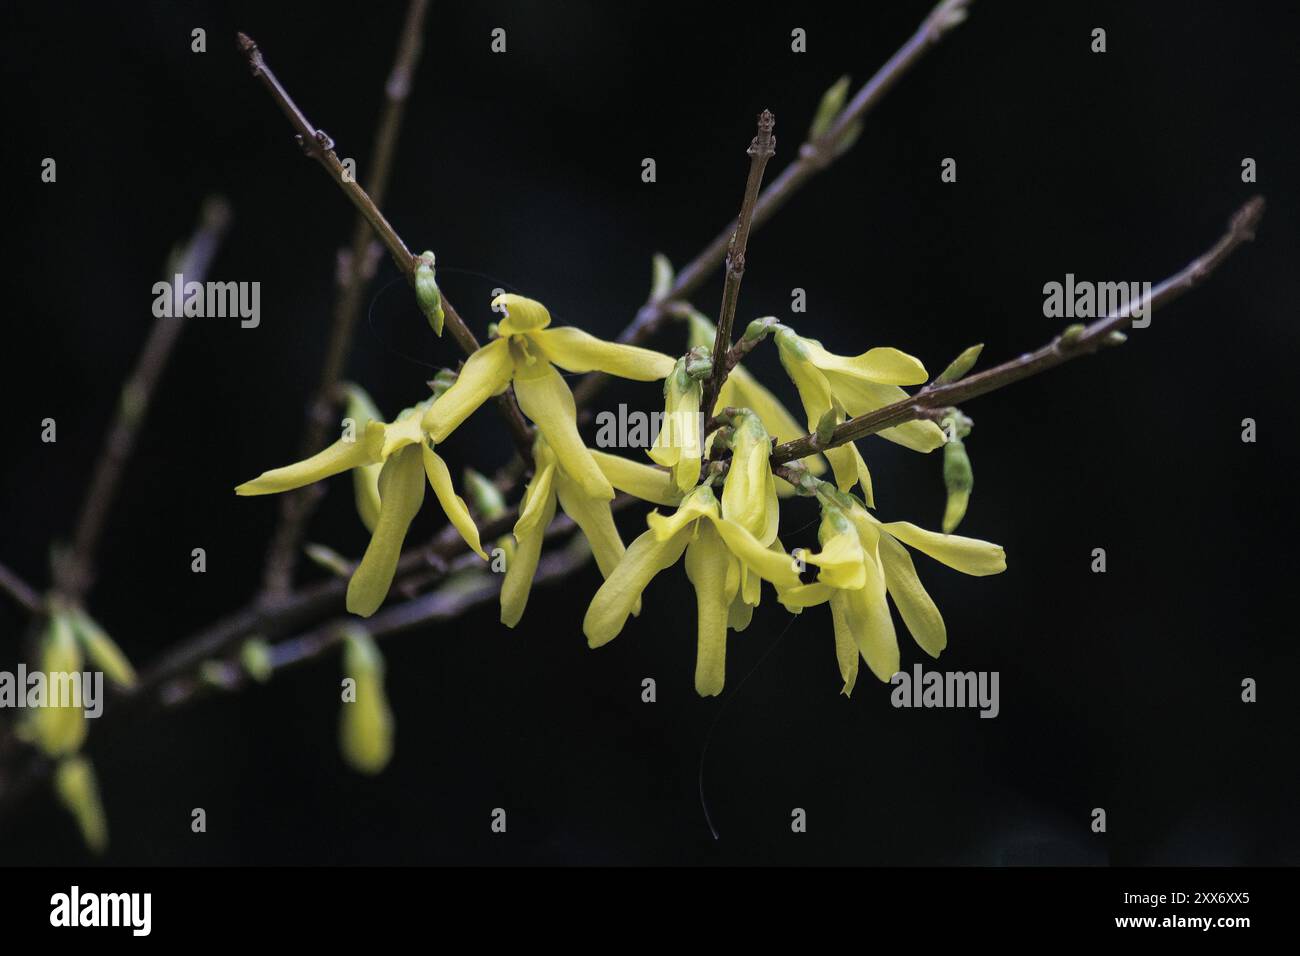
(522,171)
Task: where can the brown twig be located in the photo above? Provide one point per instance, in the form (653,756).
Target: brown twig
(814,156)
(1061,349)
(760,151)
(356,268)
(74,570)
(317,144)
(18,589)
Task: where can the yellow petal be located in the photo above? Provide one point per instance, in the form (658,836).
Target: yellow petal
(859,397)
(695,505)
(645,557)
(401,492)
(915,605)
(884,366)
(967,555)
(805,595)
(485,373)
(365,491)
(775,566)
(530,532)
(364,450)
(873,628)
(638,480)
(522,314)
(546,399)
(453,505)
(846,461)
(842,561)
(846,645)
(593,516)
(706,567)
(576,351)
(406,429)
(749,491)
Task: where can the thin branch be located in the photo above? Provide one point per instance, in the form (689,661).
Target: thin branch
(74,570)
(317,144)
(1061,349)
(18,589)
(760,151)
(356,268)
(814,156)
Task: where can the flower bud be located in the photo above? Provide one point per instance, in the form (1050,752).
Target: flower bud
(427,293)
(59,730)
(255,655)
(102,650)
(366,724)
(484,495)
(960,365)
(78,791)
(959,479)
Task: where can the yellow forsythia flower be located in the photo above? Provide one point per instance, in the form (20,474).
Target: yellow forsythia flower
(861,560)
(527,353)
(407,458)
(719,552)
(844,387)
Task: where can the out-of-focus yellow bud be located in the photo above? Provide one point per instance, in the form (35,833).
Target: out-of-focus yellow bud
(102,650)
(255,655)
(661,277)
(366,724)
(78,791)
(959,479)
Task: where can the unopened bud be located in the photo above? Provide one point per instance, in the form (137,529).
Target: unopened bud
(1072,333)
(74,781)
(960,365)
(427,293)
(484,495)
(959,479)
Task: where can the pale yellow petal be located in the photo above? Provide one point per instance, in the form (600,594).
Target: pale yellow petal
(638,480)
(706,567)
(485,373)
(529,535)
(846,645)
(521,314)
(918,610)
(967,555)
(873,628)
(453,505)
(401,492)
(614,601)
(860,397)
(593,516)
(775,566)
(576,351)
(545,398)
(365,449)
(805,595)
(842,561)
(884,366)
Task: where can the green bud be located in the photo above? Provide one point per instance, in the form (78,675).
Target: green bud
(849,137)
(325,557)
(959,480)
(255,655)
(366,723)
(959,366)
(102,650)
(760,328)
(1072,333)
(661,277)
(484,495)
(826,426)
(427,293)
(444,380)
(1115,337)
(74,782)
(829,108)
(697,364)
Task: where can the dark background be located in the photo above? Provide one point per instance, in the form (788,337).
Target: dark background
(522,171)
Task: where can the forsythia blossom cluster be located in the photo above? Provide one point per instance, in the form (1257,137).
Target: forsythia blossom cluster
(716,484)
